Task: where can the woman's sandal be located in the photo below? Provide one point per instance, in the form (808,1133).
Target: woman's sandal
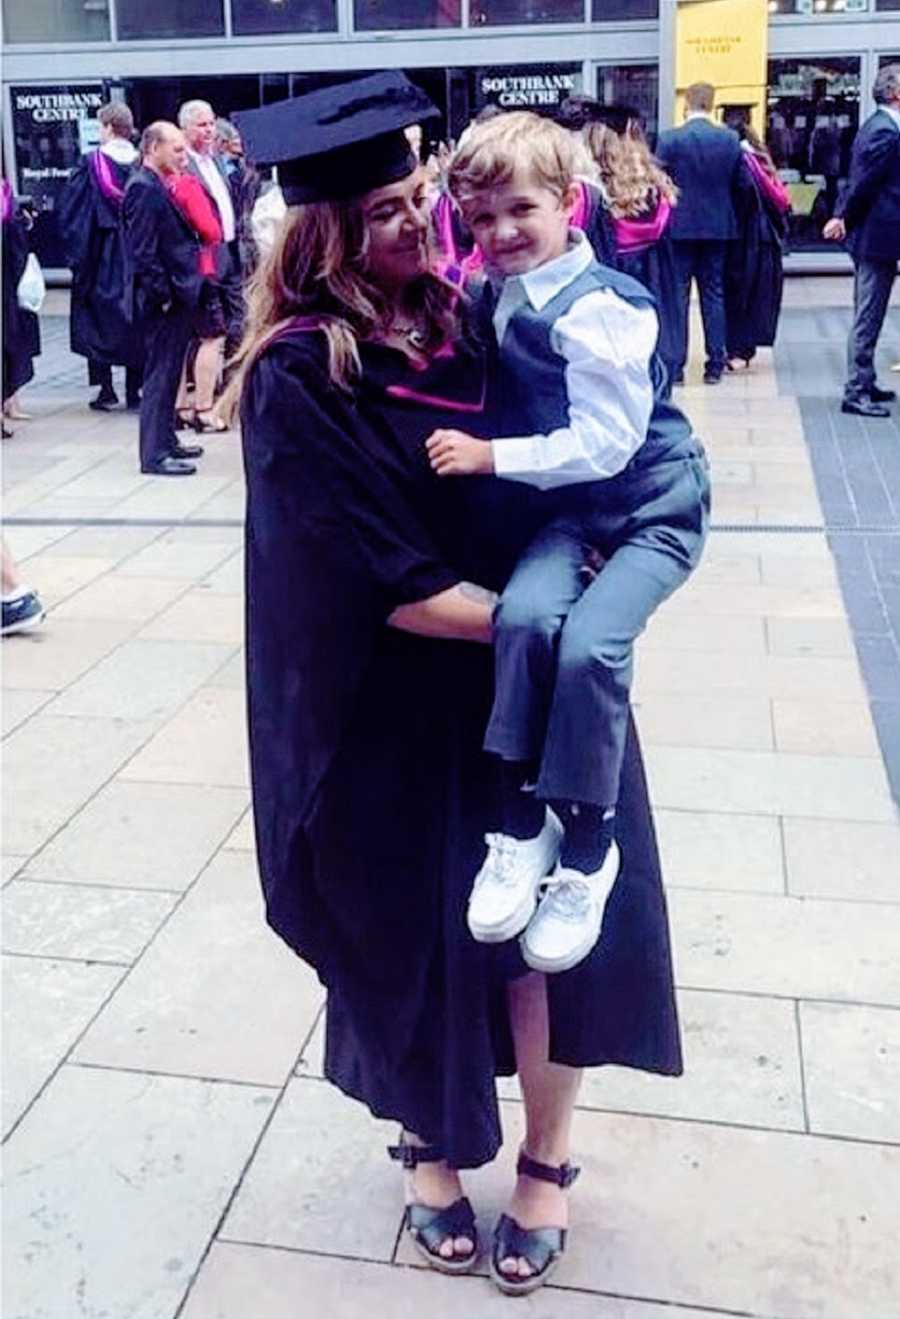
(206,422)
(542,1247)
(184,419)
(429,1228)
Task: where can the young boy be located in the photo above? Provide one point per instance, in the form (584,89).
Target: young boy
(577,388)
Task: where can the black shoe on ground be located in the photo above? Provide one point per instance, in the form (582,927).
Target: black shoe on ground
(105,401)
(882,395)
(864,407)
(133,404)
(187,451)
(169,466)
(712,377)
(22,613)
(678,379)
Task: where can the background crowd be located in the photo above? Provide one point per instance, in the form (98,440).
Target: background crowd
(163,236)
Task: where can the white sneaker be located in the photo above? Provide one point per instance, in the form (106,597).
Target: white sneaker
(568,921)
(505,889)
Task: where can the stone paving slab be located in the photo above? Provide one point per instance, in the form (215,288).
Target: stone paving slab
(205,743)
(843,859)
(215,995)
(801,947)
(46,1006)
(53,765)
(82,922)
(147,680)
(701,849)
(852,1070)
(142,836)
(237,1281)
(115,1183)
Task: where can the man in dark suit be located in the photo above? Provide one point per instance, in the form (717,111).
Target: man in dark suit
(868,216)
(165,289)
(706,162)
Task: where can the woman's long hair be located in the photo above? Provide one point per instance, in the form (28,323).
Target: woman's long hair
(317,269)
(632,180)
(747,133)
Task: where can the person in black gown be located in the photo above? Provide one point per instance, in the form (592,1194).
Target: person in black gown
(21,328)
(370,683)
(90,220)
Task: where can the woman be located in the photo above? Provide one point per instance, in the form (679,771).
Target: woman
(21,328)
(640,196)
(369,679)
(754,277)
(192,198)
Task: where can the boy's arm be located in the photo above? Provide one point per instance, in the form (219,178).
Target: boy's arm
(607,344)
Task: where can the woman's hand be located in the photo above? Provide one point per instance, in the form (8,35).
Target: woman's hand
(454,453)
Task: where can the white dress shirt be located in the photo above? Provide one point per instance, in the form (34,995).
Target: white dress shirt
(607,345)
(212,177)
(893,111)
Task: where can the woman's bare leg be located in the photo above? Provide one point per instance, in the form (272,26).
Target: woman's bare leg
(207,366)
(549,1091)
(183,400)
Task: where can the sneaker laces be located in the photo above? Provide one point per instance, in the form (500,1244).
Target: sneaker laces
(501,859)
(569,894)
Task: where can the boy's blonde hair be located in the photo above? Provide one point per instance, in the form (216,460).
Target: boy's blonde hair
(492,151)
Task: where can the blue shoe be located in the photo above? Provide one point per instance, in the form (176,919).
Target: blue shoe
(22,613)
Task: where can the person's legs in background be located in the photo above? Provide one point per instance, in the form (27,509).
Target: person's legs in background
(872,285)
(134,376)
(100,373)
(166,338)
(711,284)
(684,251)
(22,607)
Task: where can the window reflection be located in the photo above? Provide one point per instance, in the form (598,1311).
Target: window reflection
(825,6)
(484,12)
(603,11)
(812,118)
(137,20)
(55,20)
(249,17)
(388,15)
(635,86)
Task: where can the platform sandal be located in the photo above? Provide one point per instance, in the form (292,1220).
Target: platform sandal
(542,1247)
(429,1228)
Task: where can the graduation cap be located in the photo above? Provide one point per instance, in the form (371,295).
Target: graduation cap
(617,117)
(338,142)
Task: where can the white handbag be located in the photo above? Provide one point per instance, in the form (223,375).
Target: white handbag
(32,290)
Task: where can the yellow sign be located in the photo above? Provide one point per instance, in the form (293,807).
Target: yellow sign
(723,42)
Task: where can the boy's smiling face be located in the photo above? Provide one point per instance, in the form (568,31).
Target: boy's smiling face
(519,225)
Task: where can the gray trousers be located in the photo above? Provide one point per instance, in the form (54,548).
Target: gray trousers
(871,294)
(563,650)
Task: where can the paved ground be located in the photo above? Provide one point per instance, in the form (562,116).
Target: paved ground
(173,1150)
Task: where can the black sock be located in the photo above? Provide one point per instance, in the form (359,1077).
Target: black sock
(588,833)
(523,814)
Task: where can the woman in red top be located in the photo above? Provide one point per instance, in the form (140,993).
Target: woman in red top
(191,197)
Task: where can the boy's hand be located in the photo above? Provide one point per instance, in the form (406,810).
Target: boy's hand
(454,453)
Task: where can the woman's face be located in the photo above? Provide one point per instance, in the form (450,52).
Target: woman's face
(396,222)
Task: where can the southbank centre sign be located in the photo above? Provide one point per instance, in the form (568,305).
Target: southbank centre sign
(540,87)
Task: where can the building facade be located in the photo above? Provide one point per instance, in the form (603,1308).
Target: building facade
(62,58)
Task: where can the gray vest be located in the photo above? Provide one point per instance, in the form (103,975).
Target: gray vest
(529,380)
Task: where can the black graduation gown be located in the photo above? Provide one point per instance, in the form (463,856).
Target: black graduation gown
(654,267)
(92,231)
(754,275)
(21,328)
(371,792)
